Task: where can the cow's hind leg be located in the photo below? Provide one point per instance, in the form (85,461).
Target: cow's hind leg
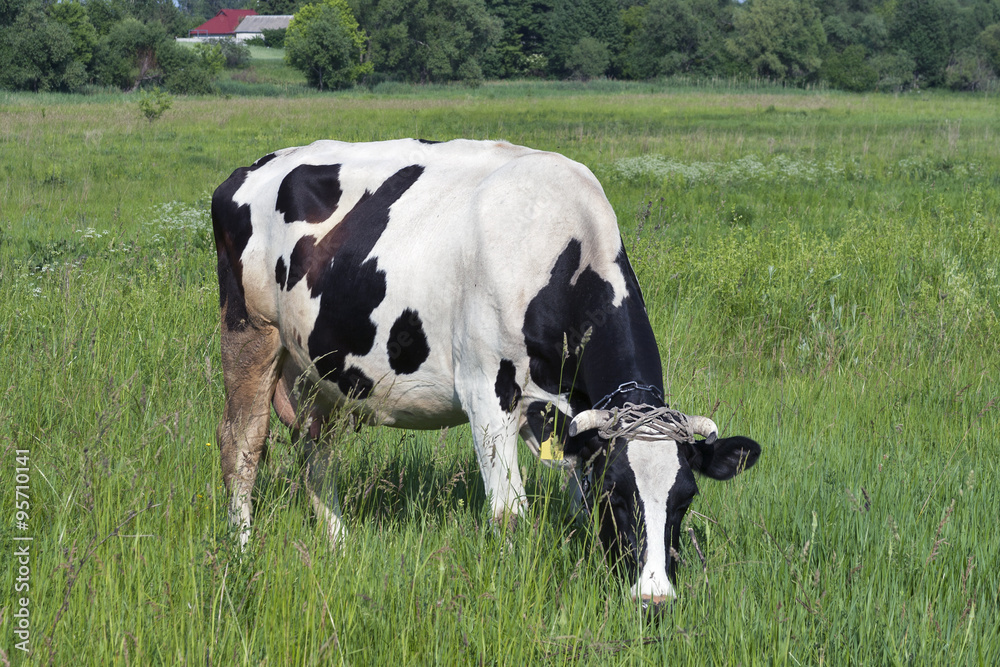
(251,358)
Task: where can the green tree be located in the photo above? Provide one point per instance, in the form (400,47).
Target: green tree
(9,10)
(73,15)
(164,12)
(896,71)
(920,28)
(210,55)
(969,69)
(989,42)
(572,20)
(520,42)
(38,53)
(278,7)
(325,42)
(428,40)
(127,55)
(665,41)
(778,39)
(676,36)
(104,14)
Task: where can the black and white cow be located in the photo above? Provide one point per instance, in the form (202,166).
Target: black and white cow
(422,285)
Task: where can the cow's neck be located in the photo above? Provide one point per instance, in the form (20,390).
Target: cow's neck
(621,362)
(585,342)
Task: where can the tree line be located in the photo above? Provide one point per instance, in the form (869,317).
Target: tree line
(856,45)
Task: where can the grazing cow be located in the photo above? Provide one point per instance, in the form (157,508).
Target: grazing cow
(422,285)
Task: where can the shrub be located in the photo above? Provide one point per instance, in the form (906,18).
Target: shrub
(211,56)
(848,70)
(896,71)
(153,104)
(191,80)
(589,59)
(186,71)
(969,69)
(274,39)
(470,73)
(234,53)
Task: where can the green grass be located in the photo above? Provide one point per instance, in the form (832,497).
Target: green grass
(266,53)
(822,271)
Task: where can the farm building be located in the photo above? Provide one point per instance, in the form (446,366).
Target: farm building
(221,25)
(252,26)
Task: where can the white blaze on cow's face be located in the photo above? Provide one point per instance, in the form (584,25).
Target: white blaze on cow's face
(657,469)
(647,488)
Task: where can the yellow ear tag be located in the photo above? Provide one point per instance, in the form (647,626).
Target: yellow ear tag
(551,450)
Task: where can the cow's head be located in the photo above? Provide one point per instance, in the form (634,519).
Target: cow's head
(643,483)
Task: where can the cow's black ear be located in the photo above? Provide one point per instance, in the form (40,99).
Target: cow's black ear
(584,445)
(724,459)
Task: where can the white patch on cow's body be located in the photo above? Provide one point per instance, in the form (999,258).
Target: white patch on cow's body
(655,466)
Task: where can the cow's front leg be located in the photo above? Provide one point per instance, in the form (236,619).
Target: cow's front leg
(495,441)
(319,478)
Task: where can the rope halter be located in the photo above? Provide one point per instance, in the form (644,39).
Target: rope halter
(645,422)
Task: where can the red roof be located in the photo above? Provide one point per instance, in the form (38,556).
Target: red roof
(223,23)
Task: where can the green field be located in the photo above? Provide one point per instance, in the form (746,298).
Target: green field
(822,272)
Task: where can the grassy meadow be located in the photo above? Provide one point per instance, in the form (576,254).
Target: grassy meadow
(822,271)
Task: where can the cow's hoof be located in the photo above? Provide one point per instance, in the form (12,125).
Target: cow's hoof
(506,523)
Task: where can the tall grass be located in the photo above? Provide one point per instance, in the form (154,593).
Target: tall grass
(822,272)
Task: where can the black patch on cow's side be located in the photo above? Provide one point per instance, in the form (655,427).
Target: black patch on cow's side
(352,286)
(621,346)
(310,192)
(280,272)
(301,260)
(506,387)
(262,161)
(407,346)
(429,142)
(232,228)
(354,383)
